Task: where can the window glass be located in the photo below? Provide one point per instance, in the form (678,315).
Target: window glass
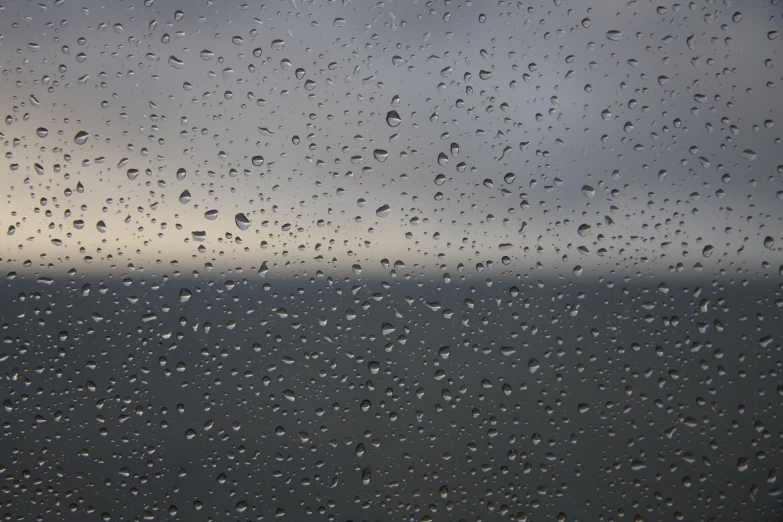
(402,260)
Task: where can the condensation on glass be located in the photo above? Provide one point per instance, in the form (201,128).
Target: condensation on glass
(427,261)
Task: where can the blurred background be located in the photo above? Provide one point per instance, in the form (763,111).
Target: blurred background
(391,261)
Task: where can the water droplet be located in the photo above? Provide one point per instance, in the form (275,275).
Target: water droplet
(393,119)
(241,221)
(176,62)
(81,138)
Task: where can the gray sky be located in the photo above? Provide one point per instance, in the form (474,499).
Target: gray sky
(685,92)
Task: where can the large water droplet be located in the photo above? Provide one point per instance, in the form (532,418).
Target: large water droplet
(81,138)
(393,119)
(241,221)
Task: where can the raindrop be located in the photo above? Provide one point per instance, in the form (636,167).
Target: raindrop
(81,138)
(176,62)
(393,119)
(241,221)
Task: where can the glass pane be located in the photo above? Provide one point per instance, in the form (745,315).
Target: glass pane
(427,261)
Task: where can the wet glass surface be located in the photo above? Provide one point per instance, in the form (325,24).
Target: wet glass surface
(427,261)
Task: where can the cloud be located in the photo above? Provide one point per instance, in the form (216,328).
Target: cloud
(526,142)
